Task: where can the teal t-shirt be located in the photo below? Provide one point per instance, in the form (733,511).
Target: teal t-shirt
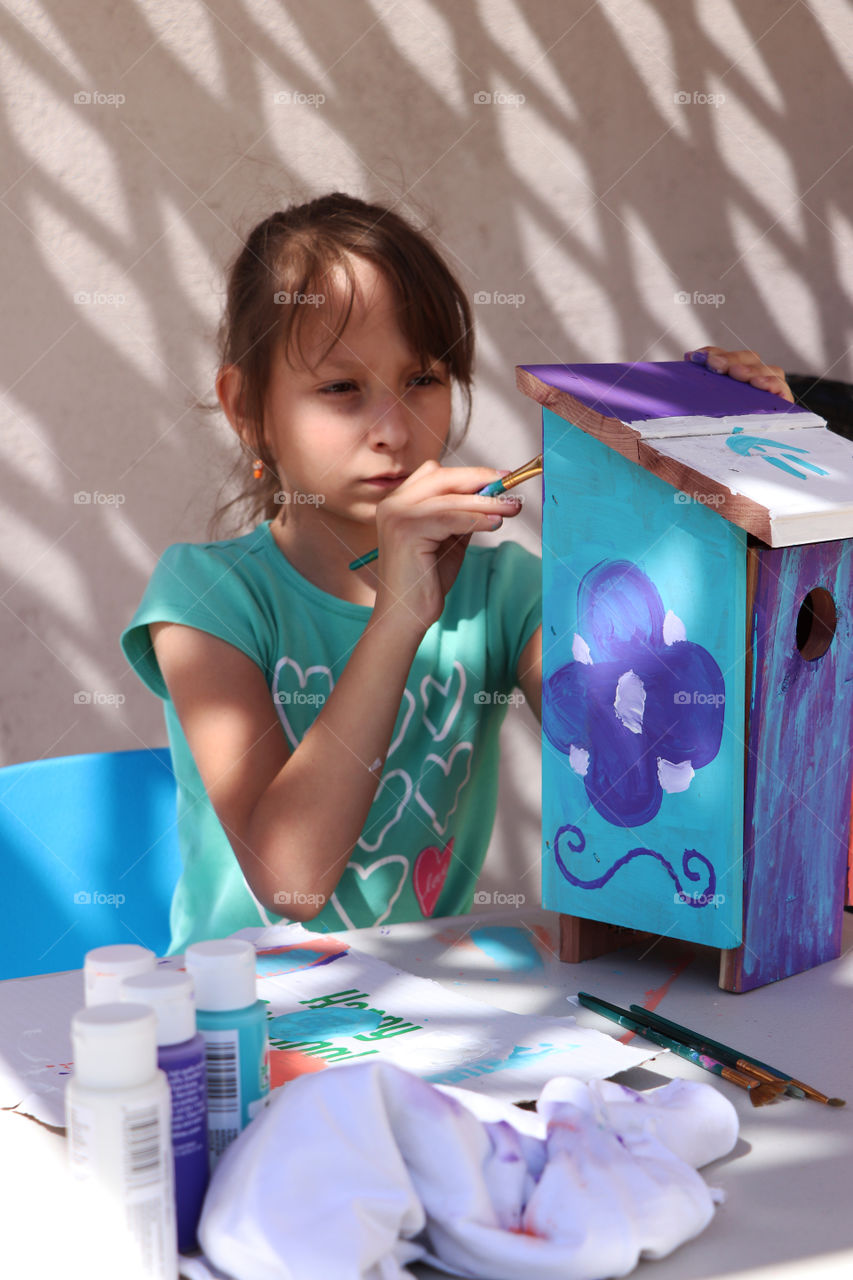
(428,830)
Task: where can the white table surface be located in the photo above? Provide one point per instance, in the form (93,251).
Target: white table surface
(788,1213)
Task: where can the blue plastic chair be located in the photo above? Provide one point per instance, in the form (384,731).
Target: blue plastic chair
(90,855)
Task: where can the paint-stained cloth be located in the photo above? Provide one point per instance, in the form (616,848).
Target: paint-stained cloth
(358,1172)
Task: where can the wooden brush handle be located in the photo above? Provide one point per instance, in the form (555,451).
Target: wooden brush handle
(739,1077)
(758,1073)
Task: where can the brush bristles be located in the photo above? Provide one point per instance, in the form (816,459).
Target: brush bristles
(761,1094)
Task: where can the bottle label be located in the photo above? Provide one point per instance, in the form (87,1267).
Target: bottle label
(189,1107)
(143,1148)
(80,1138)
(131,1176)
(147,1184)
(224,1103)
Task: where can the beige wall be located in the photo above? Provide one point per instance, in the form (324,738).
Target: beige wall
(632,154)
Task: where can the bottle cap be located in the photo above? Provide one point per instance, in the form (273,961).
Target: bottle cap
(105,967)
(114,1045)
(170,995)
(224,974)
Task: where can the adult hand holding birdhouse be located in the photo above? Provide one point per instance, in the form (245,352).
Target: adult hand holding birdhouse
(744,366)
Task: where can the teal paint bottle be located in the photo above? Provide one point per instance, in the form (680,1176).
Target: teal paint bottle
(233,1022)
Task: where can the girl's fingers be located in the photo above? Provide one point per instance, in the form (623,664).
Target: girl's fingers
(433,478)
(743,366)
(436,524)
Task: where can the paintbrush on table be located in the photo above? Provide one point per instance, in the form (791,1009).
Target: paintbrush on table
(794,1088)
(760,1092)
(492,490)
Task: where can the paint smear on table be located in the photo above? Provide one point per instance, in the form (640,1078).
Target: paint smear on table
(296,956)
(654,996)
(508,946)
(452,939)
(547,939)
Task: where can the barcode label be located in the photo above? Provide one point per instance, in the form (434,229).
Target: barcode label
(223,1077)
(143,1155)
(224,1103)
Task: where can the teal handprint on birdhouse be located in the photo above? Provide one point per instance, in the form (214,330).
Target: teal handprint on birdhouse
(763,447)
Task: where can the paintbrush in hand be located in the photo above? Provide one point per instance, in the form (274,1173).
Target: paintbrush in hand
(493,490)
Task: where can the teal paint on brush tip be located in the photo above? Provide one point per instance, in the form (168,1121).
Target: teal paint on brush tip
(508,946)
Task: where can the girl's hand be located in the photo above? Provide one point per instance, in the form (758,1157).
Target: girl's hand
(424,528)
(744,366)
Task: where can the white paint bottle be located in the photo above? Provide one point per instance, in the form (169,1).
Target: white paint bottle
(105,968)
(118,1115)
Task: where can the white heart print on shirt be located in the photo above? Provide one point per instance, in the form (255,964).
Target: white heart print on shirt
(364,873)
(435,772)
(444,708)
(291,686)
(399,782)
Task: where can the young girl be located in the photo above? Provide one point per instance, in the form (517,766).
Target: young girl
(334,734)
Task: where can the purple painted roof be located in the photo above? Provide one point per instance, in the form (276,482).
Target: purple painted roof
(668,389)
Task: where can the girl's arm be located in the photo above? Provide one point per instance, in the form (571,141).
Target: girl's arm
(293,818)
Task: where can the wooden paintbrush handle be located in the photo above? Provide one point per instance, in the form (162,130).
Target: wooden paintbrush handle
(758,1073)
(795,1087)
(738,1077)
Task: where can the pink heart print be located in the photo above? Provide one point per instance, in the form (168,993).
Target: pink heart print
(429,875)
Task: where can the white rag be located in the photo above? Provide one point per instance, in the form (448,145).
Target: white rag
(352,1174)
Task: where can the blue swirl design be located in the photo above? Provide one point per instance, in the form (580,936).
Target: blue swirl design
(703,899)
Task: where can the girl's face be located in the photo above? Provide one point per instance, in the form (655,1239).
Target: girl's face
(347,427)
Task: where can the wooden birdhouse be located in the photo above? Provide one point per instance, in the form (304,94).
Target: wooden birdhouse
(698,669)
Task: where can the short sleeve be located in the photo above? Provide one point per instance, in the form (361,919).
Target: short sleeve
(515,601)
(197,586)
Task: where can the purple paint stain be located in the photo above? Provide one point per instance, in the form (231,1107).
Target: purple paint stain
(680,719)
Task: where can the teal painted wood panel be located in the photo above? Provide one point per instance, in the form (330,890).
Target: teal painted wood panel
(643,697)
(800,767)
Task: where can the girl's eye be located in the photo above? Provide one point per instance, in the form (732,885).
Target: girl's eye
(425,380)
(338,388)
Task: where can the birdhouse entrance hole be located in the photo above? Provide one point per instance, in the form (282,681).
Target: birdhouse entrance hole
(816,624)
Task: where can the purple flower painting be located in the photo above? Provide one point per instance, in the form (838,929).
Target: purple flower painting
(641,707)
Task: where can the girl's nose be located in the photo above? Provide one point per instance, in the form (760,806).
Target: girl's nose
(389,426)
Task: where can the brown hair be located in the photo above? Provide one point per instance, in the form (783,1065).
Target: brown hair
(284,265)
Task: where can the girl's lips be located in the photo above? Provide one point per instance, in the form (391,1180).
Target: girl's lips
(386,482)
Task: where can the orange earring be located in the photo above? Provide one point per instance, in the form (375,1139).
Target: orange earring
(258,468)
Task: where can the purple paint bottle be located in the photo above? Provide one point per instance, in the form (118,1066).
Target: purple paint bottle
(180,1054)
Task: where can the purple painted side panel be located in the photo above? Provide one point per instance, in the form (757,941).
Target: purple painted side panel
(797,803)
(665,389)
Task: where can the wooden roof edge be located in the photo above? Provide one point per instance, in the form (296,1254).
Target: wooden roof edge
(734,507)
(611,431)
